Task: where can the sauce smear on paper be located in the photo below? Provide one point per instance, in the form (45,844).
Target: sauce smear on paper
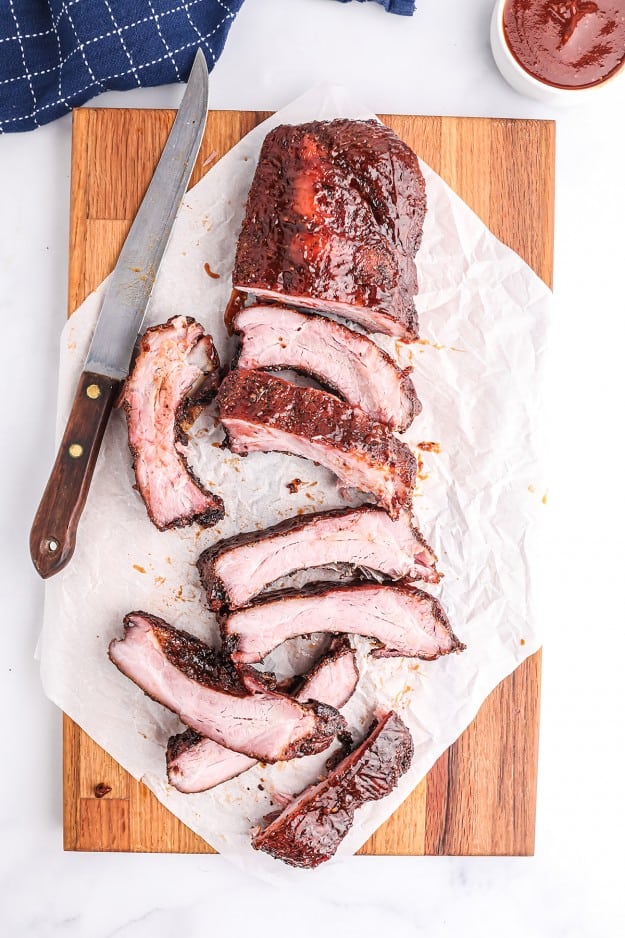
(211,273)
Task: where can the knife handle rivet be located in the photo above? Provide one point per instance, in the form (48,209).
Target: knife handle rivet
(52,545)
(94,391)
(75,451)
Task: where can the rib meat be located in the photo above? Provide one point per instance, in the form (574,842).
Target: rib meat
(263,413)
(176,370)
(333,678)
(388,174)
(333,219)
(195,763)
(235,570)
(401,620)
(275,337)
(214,699)
(310,829)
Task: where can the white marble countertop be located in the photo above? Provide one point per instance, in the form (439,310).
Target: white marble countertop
(438,62)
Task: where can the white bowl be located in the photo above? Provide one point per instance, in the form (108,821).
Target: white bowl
(525,83)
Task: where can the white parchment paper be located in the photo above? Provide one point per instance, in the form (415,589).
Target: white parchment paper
(483,316)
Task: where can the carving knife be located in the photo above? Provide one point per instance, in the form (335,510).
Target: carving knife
(53,534)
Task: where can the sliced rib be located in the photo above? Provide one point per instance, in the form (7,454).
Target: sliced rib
(332,679)
(310,829)
(211,697)
(263,413)
(237,569)
(195,763)
(403,621)
(176,370)
(275,337)
(333,218)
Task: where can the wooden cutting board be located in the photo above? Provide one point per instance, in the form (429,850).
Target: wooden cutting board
(480,797)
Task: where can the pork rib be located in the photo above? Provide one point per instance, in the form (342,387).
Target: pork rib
(263,413)
(195,763)
(333,218)
(403,621)
(333,678)
(388,174)
(310,829)
(235,570)
(176,370)
(275,337)
(214,699)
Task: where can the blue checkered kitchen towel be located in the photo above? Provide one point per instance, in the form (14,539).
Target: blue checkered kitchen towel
(56,54)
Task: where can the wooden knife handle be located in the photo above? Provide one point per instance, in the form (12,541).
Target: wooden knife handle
(53,534)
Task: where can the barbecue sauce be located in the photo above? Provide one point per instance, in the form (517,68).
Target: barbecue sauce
(566,43)
(235,305)
(211,273)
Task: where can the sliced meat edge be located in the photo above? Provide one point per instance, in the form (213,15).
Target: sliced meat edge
(402,621)
(263,413)
(181,673)
(195,763)
(351,364)
(235,570)
(175,372)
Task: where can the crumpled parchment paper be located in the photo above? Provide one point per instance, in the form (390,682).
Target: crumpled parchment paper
(483,316)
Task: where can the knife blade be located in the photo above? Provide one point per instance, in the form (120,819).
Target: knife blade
(53,533)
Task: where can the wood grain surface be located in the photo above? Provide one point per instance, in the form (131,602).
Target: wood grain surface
(480,797)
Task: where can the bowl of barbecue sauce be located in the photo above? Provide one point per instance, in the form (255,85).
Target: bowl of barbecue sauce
(559,51)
